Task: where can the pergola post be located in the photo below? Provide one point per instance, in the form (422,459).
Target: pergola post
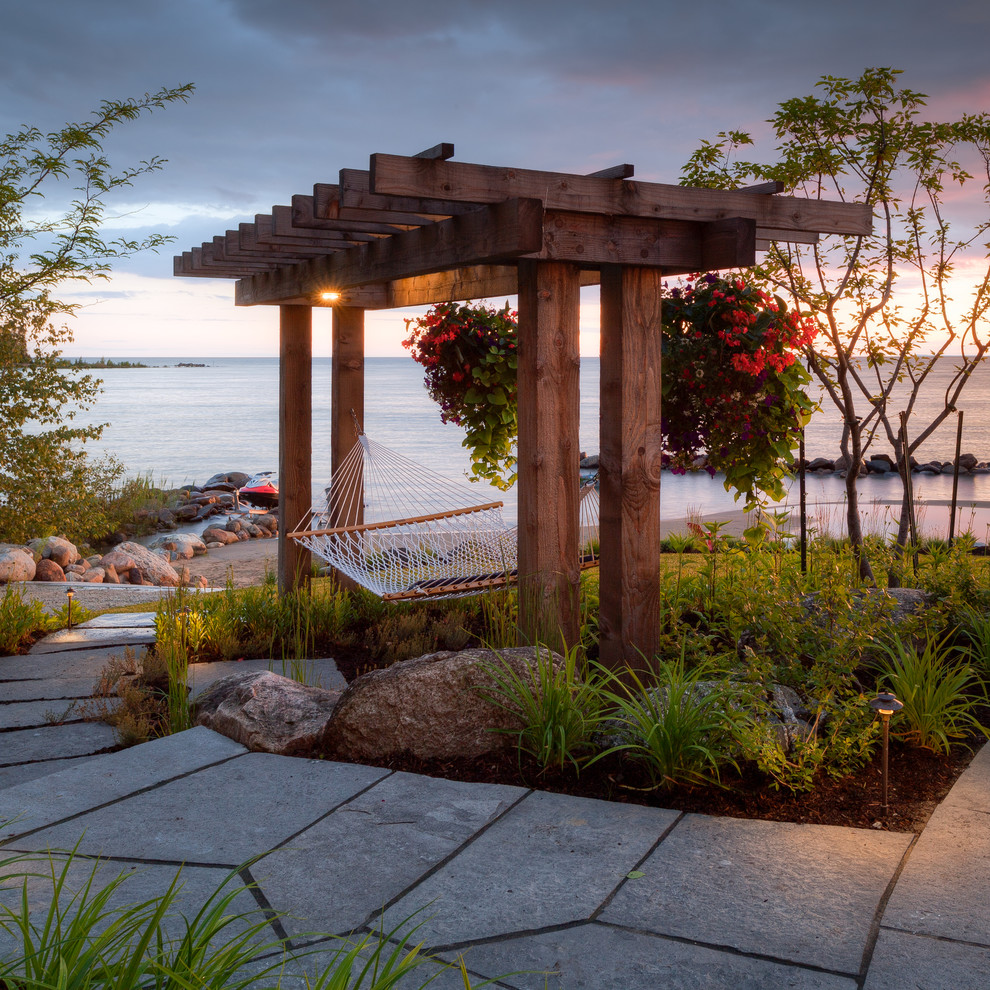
(549,410)
(346,395)
(629,469)
(295,440)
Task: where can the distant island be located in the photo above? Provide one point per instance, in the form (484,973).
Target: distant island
(87,363)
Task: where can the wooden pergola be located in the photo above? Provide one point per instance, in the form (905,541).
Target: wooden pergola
(418,230)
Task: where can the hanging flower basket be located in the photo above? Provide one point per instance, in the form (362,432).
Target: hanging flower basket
(733,389)
(469,353)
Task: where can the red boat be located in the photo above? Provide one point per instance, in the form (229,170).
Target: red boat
(261,490)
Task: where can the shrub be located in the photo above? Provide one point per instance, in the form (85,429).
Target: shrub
(940,692)
(559,711)
(677,723)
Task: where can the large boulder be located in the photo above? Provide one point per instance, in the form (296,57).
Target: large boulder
(266,712)
(214,534)
(48,570)
(16,564)
(184,546)
(236,479)
(55,548)
(431,706)
(128,557)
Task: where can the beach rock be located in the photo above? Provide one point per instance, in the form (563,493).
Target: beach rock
(16,564)
(267,521)
(948,468)
(213,534)
(55,548)
(184,545)
(150,565)
(967,462)
(266,712)
(430,706)
(821,464)
(94,575)
(877,465)
(590,463)
(187,513)
(48,570)
(235,478)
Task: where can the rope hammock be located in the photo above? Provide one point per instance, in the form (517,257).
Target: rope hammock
(427,538)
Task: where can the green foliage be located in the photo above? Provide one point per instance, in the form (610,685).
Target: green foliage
(941,693)
(47,484)
(676,722)
(558,710)
(884,300)
(19,619)
(83,940)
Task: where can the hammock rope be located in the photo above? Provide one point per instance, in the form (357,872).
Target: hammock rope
(404,532)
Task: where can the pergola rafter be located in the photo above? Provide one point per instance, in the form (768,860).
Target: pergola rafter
(425,229)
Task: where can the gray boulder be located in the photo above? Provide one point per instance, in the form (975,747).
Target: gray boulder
(130,557)
(266,712)
(967,462)
(184,545)
(16,564)
(431,706)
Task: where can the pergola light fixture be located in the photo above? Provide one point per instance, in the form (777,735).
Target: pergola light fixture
(329,296)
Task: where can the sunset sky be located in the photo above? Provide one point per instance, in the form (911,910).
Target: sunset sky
(289,92)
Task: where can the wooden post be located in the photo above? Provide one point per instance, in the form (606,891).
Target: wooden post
(295,440)
(629,469)
(549,410)
(346,394)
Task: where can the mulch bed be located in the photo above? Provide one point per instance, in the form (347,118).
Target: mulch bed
(918,780)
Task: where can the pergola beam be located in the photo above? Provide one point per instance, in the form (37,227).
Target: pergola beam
(394,175)
(497,233)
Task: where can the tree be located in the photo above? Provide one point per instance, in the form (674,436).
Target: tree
(867,141)
(47,483)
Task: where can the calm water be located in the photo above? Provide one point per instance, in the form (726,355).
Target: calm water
(184,424)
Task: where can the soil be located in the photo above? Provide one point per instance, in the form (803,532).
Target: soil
(917,782)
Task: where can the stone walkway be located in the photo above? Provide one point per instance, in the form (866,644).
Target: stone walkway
(575,893)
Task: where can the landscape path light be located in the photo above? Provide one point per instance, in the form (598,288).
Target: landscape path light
(885,704)
(70,594)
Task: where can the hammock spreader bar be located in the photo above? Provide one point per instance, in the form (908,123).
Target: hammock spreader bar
(430,538)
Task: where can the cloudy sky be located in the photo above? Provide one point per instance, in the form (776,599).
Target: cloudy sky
(290,91)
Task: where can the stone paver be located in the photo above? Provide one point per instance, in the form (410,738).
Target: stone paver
(25,714)
(602,957)
(949,872)
(76,790)
(515,879)
(137,884)
(550,860)
(811,892)
(75,739)
(265,801)
(121,620)
(916,962)
(342,872)
(87,638)
(21,773)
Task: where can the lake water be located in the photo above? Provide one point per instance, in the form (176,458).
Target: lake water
(182,425)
